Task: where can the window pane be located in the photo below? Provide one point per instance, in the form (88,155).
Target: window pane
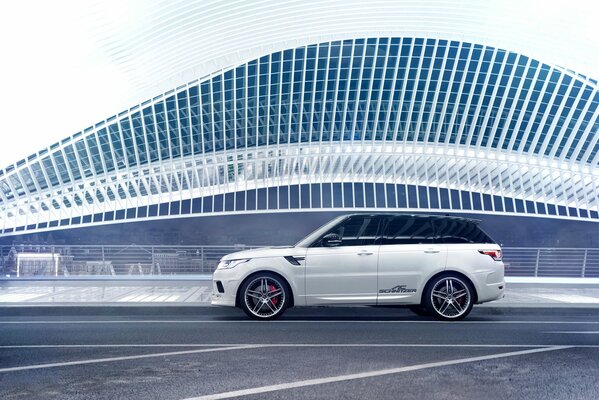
(459,231)
(409,230)
(357,230)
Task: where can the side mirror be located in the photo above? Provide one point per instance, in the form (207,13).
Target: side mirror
(331,240)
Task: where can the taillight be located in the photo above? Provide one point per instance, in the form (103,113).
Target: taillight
(494,254)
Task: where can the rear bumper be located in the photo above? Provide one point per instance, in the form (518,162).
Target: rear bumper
(491,291)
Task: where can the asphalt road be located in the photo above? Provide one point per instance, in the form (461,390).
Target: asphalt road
(315,353)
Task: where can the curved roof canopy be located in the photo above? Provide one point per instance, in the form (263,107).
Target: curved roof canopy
(84,61)
(316,116)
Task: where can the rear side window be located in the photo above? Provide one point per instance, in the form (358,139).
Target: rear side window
(358,230)
(409,230)
(459,231)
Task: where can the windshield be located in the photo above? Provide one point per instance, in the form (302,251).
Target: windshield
(307,241)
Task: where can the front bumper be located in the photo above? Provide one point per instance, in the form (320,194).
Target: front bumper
(225,293)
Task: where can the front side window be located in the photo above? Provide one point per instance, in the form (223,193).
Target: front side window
(409,230)
(460,231)
(357,230)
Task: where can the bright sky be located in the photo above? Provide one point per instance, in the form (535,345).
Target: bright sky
(55,79)
(67,64)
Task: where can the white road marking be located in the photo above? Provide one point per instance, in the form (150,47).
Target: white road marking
(243,345)
(141,297)
(560,281)
(575,332)
(131,293)
(161,298)
(568,298)
(315,321)
(370,374)
(127,298)
(16,297)
(111,359)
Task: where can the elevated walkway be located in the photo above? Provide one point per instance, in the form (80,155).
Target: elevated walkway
(195,290)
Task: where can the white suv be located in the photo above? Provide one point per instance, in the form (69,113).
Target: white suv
(435,265)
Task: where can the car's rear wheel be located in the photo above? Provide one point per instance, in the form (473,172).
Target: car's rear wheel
(420,310)
(449,297)
(265,296)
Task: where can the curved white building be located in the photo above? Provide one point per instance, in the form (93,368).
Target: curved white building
(432,112)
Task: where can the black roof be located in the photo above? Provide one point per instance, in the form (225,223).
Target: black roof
(398,214)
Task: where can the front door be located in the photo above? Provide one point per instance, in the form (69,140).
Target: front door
(347,273)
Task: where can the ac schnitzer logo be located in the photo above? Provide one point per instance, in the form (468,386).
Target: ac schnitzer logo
(398,289)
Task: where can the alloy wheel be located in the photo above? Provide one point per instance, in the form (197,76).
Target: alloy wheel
(450,297)
(264,297)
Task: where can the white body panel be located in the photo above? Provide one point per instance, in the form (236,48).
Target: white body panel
(341,275)
(381,274)
(404,269)
(347,278)
(263,259)
(486,274)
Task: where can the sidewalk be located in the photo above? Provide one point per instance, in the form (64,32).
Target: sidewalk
(106,291)
(196,290)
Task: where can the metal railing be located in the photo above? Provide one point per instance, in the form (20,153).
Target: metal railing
(105,260)
(114,260)
(551,262)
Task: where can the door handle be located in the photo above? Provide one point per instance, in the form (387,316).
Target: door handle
(432,251)
(365,253)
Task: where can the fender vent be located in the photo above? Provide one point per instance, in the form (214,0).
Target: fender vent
(294,260)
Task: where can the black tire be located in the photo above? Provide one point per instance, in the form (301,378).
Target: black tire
(257,296)
(449,297)
(420,310)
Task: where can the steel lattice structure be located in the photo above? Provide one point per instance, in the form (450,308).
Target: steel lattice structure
(371,123)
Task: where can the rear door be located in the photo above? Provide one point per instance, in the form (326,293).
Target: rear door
(345,274)
(464,239)
(408,255)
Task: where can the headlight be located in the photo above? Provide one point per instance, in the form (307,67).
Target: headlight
(228,264)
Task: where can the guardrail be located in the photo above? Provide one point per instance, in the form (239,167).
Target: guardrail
(551,262)
(88,260)
(37,260)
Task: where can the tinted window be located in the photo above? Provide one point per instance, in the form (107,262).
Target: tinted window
(357,230)
(459,231)
(409,230)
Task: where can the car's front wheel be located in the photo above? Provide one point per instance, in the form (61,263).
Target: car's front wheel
(449,297)
(264,296)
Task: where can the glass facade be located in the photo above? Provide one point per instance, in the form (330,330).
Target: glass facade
(444,114)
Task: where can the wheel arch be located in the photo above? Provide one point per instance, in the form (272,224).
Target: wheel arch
(253,274)
(450,272)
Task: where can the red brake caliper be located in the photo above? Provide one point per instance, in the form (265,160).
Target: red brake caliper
(275,300)
(461,301)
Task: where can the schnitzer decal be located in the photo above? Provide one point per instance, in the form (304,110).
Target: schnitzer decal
(398,289)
